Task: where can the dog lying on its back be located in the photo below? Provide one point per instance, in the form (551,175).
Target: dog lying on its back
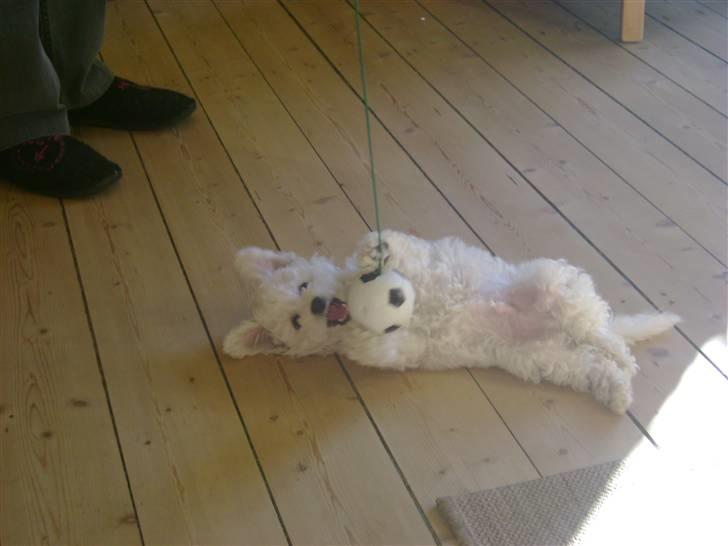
(539,320)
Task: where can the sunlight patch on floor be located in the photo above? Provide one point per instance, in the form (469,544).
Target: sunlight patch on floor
(656,498)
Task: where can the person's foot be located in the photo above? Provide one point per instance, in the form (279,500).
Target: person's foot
(59,166)
(132,107)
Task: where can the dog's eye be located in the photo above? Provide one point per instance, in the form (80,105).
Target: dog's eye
(303,287)
(295,321)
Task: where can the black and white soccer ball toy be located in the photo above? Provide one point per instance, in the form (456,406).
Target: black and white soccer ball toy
(382,302)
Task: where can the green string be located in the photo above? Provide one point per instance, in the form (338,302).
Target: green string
(365,96)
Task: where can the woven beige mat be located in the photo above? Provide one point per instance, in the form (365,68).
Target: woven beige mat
(643,500)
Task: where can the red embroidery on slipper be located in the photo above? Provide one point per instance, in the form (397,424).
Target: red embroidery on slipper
(39,156)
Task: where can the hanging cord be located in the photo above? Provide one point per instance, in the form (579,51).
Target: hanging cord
(365,97)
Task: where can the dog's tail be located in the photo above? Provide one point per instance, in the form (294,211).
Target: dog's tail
(634,328)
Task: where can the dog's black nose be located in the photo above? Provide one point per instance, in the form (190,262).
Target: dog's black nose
(318,306)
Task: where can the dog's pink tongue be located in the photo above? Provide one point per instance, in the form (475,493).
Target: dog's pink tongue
(338,312)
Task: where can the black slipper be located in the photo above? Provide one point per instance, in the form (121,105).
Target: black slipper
(59,166)
(132,107)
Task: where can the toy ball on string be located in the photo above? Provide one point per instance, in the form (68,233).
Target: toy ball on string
(382,302)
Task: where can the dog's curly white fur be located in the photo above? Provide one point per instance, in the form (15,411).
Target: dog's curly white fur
(540,320)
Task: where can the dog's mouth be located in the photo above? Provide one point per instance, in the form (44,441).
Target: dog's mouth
(338,313)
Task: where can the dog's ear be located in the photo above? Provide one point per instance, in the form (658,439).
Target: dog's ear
(255,264)
(248,339)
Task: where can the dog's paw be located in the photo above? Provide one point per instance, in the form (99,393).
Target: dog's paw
(616,391)
(608,383)
(372,255)
(235,344)
(620,398)
(232,347)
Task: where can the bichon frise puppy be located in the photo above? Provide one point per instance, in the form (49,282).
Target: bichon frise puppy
(540,320)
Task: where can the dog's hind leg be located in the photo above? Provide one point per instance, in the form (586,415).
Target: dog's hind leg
(597,372)
(584,368)
(616,346)
(562,290)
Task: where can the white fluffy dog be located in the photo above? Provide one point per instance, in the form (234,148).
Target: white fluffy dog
(539,320)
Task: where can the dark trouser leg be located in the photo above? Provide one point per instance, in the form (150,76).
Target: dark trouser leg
(29,86)
(48,63)
(72,32)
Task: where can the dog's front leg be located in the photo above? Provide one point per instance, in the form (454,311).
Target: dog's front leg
(371,254)
(398,251)
(390,351)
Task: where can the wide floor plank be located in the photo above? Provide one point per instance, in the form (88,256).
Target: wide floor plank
(683,119)
(57,441)
(193,482)
(688,18)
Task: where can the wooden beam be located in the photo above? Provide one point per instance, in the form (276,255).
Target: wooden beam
(633,20)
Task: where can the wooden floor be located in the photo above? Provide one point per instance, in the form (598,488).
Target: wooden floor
(515,125)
